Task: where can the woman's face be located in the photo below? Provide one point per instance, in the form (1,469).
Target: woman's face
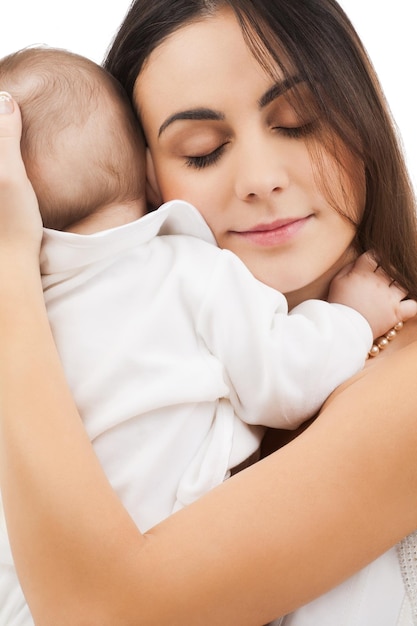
(223,135)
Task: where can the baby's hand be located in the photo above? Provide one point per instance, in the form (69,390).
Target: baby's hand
(20,220)
(365,286)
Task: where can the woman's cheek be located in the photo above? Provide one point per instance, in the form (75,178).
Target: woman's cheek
(169,181)
(175,183)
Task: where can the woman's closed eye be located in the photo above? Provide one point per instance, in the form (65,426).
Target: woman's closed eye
(296,132)
(198,144)
(200,161)
(285,116)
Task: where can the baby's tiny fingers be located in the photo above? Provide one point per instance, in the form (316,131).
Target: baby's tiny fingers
(407,309)
(396,289)
(366,262)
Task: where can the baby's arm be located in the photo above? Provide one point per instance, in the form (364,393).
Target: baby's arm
(280,367)
(365,287)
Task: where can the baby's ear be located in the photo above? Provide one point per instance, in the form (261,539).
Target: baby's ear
(153,194)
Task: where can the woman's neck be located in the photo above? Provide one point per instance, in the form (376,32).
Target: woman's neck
(319,289)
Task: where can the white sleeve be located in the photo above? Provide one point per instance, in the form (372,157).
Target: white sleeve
(279,367)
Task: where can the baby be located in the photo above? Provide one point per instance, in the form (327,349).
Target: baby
(176,355)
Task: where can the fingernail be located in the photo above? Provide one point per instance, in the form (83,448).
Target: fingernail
(6,103)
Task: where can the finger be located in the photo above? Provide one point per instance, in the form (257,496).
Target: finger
(407,309)
(346,269)
(366,262)
(397,290)
(10,134)
(10,120)
(13,177)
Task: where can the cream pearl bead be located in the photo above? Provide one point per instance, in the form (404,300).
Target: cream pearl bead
(382,342)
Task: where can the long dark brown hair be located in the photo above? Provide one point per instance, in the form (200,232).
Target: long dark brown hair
(315,39)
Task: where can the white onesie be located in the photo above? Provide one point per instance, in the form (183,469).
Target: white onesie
(177,357)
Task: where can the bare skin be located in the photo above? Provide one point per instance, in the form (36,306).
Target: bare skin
(120,576)
(248,170)
(202,565)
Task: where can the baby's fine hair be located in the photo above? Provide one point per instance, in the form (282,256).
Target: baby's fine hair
(78,123)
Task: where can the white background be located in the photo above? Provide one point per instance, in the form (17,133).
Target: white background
(87,26)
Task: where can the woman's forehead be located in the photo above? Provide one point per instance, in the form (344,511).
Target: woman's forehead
(201,59)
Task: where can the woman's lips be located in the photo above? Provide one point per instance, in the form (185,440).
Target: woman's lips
(276,233)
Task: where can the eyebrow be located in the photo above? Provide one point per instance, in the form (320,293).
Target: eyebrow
(278,90)
(192,114)
(203,113)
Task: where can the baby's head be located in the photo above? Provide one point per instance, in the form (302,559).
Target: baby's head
(81,143)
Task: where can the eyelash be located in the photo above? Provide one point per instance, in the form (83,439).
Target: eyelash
(205,160)
(296,132)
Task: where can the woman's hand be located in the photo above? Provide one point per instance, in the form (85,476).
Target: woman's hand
(20,220)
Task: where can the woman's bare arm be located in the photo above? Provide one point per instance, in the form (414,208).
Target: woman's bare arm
(267,540)
(261,544)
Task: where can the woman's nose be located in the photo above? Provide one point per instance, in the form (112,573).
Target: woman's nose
(261,170)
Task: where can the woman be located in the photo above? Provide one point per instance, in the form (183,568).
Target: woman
(71,537)
(189,117)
